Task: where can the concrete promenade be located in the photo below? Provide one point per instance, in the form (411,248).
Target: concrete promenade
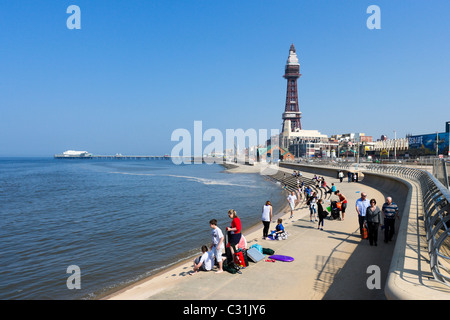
(409,276)
(329,264)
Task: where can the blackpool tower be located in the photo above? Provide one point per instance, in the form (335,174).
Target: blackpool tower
(291,110)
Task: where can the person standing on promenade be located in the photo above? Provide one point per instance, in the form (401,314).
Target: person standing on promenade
(321,213)
(266,218)
(390,212)
(373,219)
(291,199)
(361,206)
(217,243)
(307,192)
(300,191)
(341,176)
(234,232)
(343,201)
(312,202)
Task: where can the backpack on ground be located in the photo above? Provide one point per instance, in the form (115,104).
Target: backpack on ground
(268,251)
(240,259)
(230,267)
(258,247)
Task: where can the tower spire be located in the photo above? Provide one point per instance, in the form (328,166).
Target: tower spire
(291,109)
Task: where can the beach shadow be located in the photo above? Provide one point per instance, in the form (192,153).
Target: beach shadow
(347,240)
(305,227)
(327,267)
(184,273)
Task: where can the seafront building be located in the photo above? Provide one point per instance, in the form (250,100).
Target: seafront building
(302,143)
(299,142)
(292,114)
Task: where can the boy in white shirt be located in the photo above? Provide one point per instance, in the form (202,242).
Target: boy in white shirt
(204,262)
(217,243)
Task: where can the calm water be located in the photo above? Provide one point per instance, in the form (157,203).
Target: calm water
(118,220)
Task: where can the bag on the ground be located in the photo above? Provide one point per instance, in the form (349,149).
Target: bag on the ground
(257,246)
(244,252)
(239,259)
(268,251)
(230,267)
(282,236)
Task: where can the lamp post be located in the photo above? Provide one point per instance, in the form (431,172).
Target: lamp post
(395,149)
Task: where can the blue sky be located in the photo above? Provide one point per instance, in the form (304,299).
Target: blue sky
(138,70)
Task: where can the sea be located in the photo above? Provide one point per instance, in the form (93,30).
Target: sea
(78,229)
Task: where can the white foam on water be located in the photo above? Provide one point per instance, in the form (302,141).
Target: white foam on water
(195,179)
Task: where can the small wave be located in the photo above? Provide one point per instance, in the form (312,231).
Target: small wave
(134,174)
(212,182)
(195,179)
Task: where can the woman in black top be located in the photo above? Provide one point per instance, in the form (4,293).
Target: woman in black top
(321,213)
(372,220)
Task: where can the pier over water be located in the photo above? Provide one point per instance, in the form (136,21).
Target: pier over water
(142,157)
(120,157)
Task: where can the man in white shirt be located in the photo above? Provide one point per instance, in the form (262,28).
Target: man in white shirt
(361,206)
(292,198)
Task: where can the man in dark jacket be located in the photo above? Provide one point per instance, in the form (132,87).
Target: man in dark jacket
(390,212)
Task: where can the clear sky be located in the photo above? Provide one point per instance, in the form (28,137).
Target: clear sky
(138,70)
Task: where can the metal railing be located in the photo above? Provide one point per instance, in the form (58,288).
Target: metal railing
(436,204)
(440,171)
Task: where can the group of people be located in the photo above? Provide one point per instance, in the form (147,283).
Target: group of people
(297,174)
(320,181)
(267,214)
(370,216)
(316,210)
(351,176)
(213,255)
(314,204)
(207,260)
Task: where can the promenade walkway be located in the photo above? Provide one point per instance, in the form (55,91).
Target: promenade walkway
(329,264)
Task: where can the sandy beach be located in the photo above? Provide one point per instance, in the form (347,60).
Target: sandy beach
(329,264)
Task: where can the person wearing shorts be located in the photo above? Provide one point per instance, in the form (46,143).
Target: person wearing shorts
(217,243)
(291,199)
